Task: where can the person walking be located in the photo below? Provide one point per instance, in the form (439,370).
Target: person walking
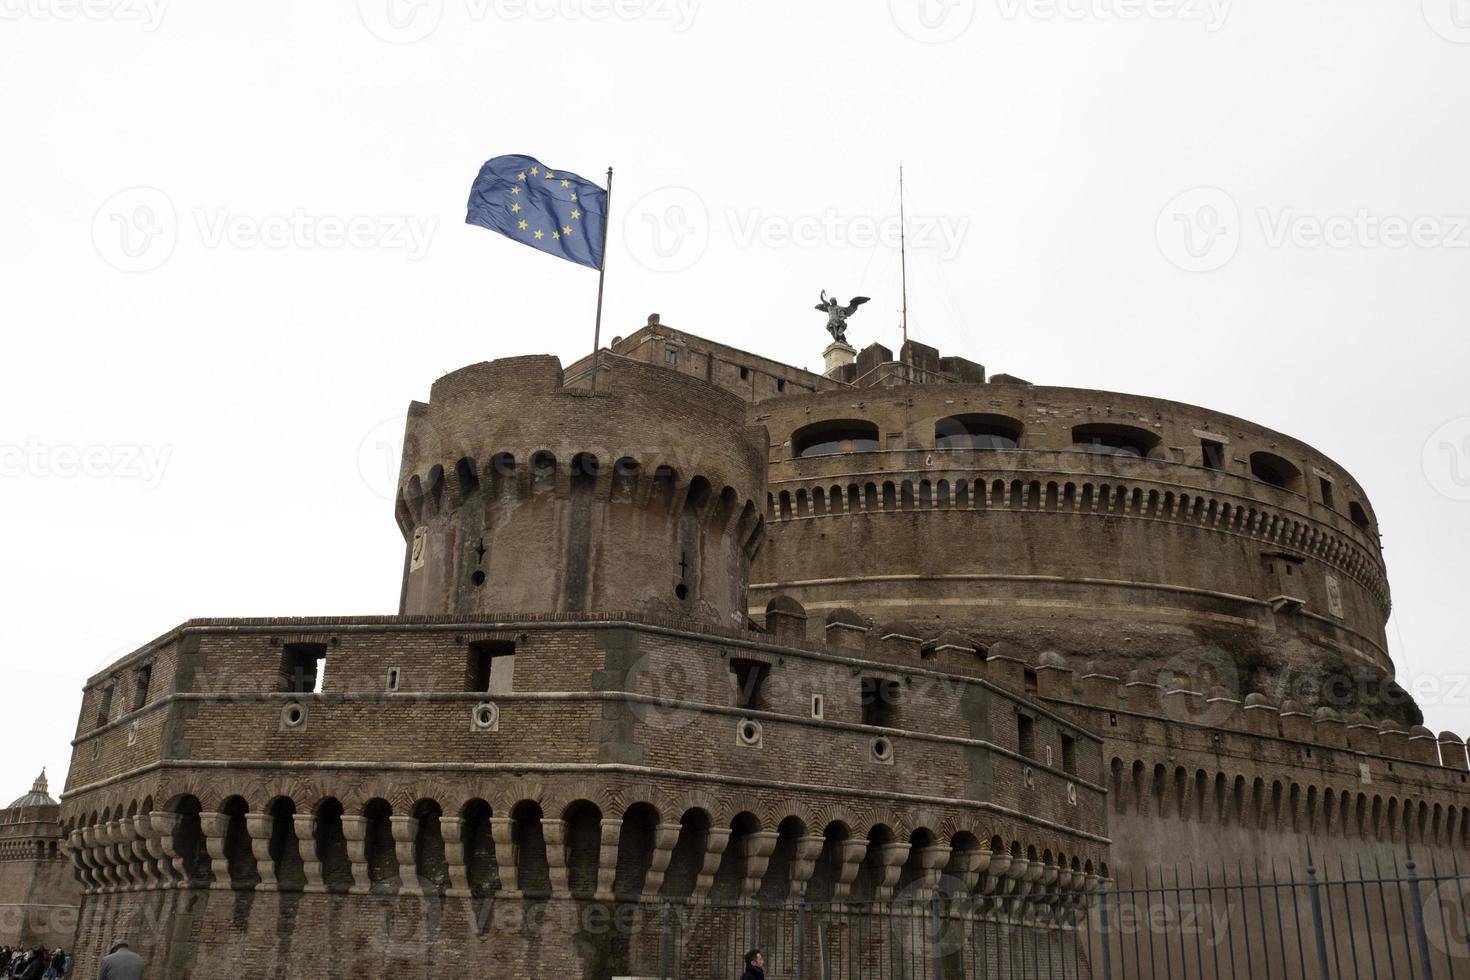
(56,969)
(121,963)
(755,966)
(35,965)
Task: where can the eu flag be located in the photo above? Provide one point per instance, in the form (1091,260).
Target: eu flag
(552,210)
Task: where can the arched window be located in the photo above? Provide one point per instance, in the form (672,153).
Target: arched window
(1272,469)
(977,432)
(1108,439)
(835,436)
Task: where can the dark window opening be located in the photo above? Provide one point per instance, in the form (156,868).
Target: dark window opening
(1030,681)
(671,356)
(1358,515)
(1326,486)
(780,384)
(1213,454)
(744,373)
(1069,754)
(491,667)
(835,436)
(1026,736)
(1113,440)
(143,681)
(1274,471)
(104,705)
(977,432)
(879,700)
(303,667)
(1112,720)
(752,678)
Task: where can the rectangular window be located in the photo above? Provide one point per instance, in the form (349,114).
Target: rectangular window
(1029,679)
(1026,735)
(142,680)
(492,666)
(303,667)
(752,679)
(1213,454)
(1327,492)
(1069,754)
(671,356)
(744,373)
(879,699)
(104,705)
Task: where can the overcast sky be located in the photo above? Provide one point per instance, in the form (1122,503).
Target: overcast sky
(233,250)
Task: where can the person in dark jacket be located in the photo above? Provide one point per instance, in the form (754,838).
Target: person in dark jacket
(35,965)
(121,963)
(755,966)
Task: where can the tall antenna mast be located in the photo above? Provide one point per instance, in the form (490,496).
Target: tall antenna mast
(903,262)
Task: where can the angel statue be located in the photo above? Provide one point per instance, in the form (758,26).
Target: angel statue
(837,315)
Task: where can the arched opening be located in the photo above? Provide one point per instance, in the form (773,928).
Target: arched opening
(188,841)
(732,863)
(285,846)
(585,468)
(331,847)
(529,840)
(977,432)
(776,884)
(835,436)
(543,470)
(503,473)
(913,865)
(825,875)
(378,847)
(1271,469)
(482,872)
(688,858)
(428,848)
(583,847)
(635,850)
(870,872)
(625,479)
(239,855)
(1111,439)
(467,475)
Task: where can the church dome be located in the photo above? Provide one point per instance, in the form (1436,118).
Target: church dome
(38,796)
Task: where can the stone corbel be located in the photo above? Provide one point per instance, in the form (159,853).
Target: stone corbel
(715,842)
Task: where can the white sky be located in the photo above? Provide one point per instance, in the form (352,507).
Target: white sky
(229,395)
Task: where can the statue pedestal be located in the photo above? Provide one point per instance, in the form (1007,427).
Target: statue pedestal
(838,356)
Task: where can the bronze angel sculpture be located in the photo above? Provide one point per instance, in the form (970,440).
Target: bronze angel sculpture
(837,315)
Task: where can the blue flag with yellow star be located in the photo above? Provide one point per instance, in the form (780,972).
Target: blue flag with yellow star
(552,210)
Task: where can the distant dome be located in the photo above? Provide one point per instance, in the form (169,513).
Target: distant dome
(1257,700)
(38,796)
(1052,659)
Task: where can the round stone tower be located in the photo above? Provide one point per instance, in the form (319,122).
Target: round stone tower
(520,493)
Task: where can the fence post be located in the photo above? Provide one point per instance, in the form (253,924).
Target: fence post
(801,936)
(1419,915)
(1317,926)
(665,942)
(1107,953)
(936,937)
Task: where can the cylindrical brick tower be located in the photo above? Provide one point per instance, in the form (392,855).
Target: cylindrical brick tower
(1130,532)
(520,493)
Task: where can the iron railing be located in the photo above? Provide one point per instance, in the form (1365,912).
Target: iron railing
(1364,917)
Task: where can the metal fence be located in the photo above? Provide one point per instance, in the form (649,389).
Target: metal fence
(1364,917)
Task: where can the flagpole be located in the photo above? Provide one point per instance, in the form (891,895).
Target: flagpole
(903,261)
(601,276)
